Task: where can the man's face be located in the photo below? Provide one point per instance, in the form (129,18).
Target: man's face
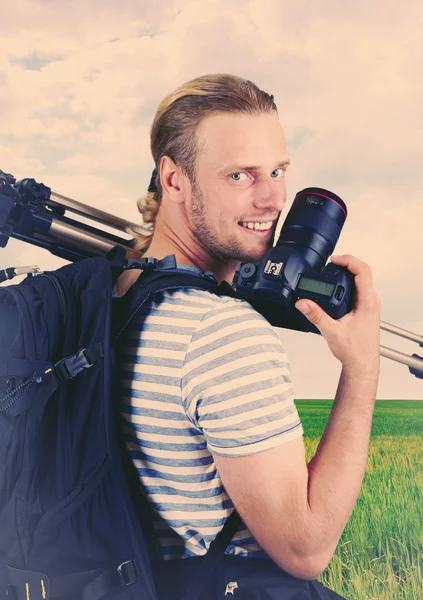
(240,173)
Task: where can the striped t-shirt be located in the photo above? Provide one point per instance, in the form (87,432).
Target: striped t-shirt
(200,374)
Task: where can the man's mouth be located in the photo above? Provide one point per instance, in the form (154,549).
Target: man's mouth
(262,229)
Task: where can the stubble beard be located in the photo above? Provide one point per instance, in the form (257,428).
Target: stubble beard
(232,249)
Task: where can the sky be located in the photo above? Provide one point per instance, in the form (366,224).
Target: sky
(80,83)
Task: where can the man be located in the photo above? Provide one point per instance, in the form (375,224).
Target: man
(207,397)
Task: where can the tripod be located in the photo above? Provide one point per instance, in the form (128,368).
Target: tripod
(31,212)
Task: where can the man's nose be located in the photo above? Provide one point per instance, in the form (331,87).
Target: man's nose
(271,195)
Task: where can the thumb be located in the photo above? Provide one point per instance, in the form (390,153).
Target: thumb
(315,314)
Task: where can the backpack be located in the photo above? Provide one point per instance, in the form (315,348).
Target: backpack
(74,523)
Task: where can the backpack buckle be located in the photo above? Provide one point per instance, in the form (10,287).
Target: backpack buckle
(69,367)
(148,263)
(127,573)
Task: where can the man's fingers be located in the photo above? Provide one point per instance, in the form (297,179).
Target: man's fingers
(363,278)
(316,315)
(353,264)
(366,297)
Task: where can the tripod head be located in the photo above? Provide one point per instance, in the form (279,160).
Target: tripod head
(32,213)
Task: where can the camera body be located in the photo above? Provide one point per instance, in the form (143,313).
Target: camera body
(296,266)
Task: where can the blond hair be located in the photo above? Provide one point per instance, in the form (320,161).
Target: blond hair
(173,132)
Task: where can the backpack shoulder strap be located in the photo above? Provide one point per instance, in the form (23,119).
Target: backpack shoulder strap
(152,281)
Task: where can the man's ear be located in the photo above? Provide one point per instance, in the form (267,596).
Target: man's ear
(172,180)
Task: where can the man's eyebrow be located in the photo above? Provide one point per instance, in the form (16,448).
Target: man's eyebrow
(235,168)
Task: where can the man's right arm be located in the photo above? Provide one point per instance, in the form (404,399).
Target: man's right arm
(297,512)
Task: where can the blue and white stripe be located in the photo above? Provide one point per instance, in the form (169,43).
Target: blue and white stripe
(200,374)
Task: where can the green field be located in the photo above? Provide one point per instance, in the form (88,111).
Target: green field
(380,554)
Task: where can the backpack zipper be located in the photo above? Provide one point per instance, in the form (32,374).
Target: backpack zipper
(36,378)
(230,587)
(17,392)
(63,307)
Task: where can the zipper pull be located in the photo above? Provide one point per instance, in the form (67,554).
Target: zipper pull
(231,586)
(32,270)
(12,272)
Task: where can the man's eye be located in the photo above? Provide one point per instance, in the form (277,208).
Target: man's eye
(278,173)
(238,176)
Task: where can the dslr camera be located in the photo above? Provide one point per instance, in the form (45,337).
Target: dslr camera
(296,266)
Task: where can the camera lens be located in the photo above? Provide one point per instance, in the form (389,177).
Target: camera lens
(313,225)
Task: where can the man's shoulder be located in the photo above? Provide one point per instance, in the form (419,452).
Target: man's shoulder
(212,310)
(209,301)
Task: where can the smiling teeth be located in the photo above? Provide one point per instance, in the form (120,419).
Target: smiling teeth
(259,226)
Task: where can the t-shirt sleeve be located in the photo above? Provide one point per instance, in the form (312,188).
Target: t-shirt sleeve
(236,382)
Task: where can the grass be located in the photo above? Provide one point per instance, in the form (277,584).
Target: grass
(380,553)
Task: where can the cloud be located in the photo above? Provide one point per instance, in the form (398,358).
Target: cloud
(80,86)
(36,61)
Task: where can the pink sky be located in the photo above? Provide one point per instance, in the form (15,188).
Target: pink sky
(80,83)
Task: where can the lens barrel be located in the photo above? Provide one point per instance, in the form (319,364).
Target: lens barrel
(313,225)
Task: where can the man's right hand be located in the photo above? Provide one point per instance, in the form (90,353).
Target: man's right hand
(354,339)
